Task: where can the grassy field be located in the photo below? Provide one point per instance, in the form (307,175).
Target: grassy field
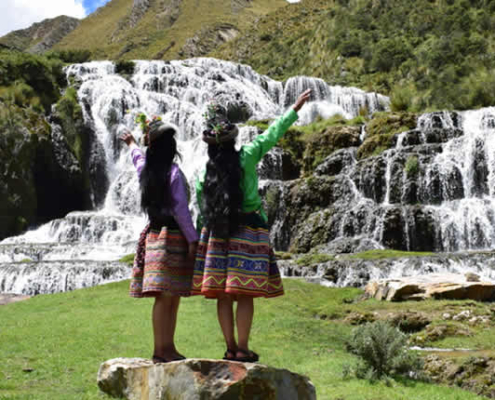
(62,339)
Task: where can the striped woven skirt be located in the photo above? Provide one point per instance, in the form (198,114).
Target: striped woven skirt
(161,268)
(242,265)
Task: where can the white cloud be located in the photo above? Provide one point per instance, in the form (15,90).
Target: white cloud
(294,1)
(20,14)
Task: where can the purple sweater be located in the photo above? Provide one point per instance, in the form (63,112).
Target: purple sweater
(179,205)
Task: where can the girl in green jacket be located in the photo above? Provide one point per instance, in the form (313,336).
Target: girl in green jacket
(235,261)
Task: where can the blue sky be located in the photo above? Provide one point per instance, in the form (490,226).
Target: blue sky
(91,5)
(20,14)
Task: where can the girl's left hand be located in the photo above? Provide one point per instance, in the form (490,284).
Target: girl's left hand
(301,100)
(127,138)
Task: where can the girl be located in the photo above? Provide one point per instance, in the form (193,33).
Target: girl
(163,265)
(235,261)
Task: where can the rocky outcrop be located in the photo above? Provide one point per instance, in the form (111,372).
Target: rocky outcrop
(207,39)
(436,286)
(41,36)
(199,379)
(476,374)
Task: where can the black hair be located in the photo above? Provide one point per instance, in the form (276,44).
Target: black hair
(222,194)
(154,183)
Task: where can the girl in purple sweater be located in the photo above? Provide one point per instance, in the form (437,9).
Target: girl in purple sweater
(163,265)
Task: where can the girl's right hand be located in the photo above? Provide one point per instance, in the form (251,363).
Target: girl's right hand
(127,138)
(191,254)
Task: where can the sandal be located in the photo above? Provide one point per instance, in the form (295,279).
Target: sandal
(161,360)
(250,356)
(229,355)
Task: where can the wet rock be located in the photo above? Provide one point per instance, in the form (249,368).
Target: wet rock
(471,277)
(394,236)
(195,379)
(322,145)
(335,163)
(437,286)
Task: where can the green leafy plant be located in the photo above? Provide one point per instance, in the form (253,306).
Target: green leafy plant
(412,166)
(382,351)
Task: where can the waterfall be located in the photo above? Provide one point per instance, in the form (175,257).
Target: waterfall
(80,249)
(432,191)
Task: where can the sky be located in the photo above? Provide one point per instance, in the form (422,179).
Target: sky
(21,14)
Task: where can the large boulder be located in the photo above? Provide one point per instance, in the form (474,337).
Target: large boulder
(437,286)
(195,379)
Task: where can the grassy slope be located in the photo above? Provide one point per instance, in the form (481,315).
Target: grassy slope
(64,338)
(95,32)
(429,54)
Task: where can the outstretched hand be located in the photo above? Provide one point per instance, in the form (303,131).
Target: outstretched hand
(301,100)
(127,138)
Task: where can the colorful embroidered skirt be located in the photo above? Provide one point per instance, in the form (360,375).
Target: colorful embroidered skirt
(165,270)
(243,265)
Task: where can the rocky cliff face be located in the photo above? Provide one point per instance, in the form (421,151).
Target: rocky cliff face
(41,36)
(45,167)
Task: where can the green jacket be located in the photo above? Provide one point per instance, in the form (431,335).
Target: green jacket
(251,155)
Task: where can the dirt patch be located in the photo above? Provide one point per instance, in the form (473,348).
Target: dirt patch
(7,298)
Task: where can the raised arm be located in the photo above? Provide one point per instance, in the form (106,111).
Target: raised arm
(268,139)
(138,158)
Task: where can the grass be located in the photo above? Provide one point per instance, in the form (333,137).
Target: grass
(309,259)
(381,254)
(63,338)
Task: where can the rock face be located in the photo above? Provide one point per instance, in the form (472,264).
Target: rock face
(199,379)
(437,286)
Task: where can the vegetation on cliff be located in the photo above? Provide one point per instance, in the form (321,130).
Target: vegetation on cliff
(38,184)
(425,54)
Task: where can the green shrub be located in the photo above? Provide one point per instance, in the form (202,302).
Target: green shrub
(401,98)
(382,351)
(412,166)
(125,67)
(70,56)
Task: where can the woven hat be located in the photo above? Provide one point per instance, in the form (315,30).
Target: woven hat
(218,127)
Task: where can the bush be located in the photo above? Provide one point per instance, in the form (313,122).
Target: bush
(382,350)
(412,166)
(124,67)
(70,56)
(401,98)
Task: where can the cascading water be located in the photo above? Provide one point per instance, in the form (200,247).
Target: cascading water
(433,191)
(79,250)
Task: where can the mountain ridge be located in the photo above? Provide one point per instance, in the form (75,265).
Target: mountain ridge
(40,36)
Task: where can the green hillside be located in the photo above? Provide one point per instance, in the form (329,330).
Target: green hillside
(167,29)
(427,54)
